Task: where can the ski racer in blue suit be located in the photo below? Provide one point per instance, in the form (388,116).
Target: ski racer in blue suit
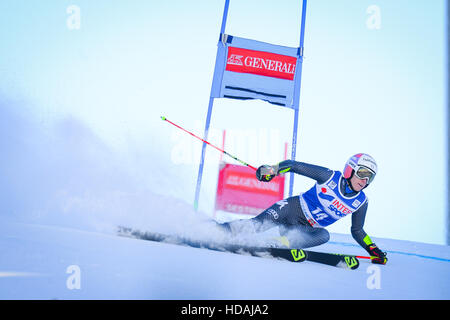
(302,219)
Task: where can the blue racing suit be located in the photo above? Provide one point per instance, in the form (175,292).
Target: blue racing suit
(302,218)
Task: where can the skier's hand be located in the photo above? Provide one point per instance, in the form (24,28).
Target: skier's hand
(376,255)
(266,173)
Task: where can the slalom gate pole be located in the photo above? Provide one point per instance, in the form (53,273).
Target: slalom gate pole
(217,148)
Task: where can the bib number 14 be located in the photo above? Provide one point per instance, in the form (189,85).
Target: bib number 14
(319,214)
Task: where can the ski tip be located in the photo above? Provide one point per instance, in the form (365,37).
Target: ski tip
(163,118)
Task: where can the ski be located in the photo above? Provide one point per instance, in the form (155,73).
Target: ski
(292,255)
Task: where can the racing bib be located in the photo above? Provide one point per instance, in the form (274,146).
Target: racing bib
(324,204)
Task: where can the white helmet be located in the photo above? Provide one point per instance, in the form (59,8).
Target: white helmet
(363,165)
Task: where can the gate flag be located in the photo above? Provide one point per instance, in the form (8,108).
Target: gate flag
(250,69)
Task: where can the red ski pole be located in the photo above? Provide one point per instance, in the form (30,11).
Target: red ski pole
(223,151)
(363,257)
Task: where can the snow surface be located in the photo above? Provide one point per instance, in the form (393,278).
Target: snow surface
(64,192)
(36,260)
(78,158)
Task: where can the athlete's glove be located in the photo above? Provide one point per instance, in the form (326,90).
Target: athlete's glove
(376,255)
(266,173)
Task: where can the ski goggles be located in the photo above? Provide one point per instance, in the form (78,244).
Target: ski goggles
(365,173)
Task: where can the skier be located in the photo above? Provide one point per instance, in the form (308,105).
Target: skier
(301,219)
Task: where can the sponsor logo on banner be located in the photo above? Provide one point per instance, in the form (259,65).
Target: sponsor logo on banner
(243,182)
(239,191)
(261,63)
(242,209)
(235,59)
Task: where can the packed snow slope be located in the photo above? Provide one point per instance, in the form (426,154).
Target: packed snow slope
(42,261)
(63,192)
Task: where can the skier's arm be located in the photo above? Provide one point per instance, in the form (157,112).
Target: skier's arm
(363,239)
(320,174)
(358,233)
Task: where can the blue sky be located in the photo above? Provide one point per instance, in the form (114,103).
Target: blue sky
(379,91)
